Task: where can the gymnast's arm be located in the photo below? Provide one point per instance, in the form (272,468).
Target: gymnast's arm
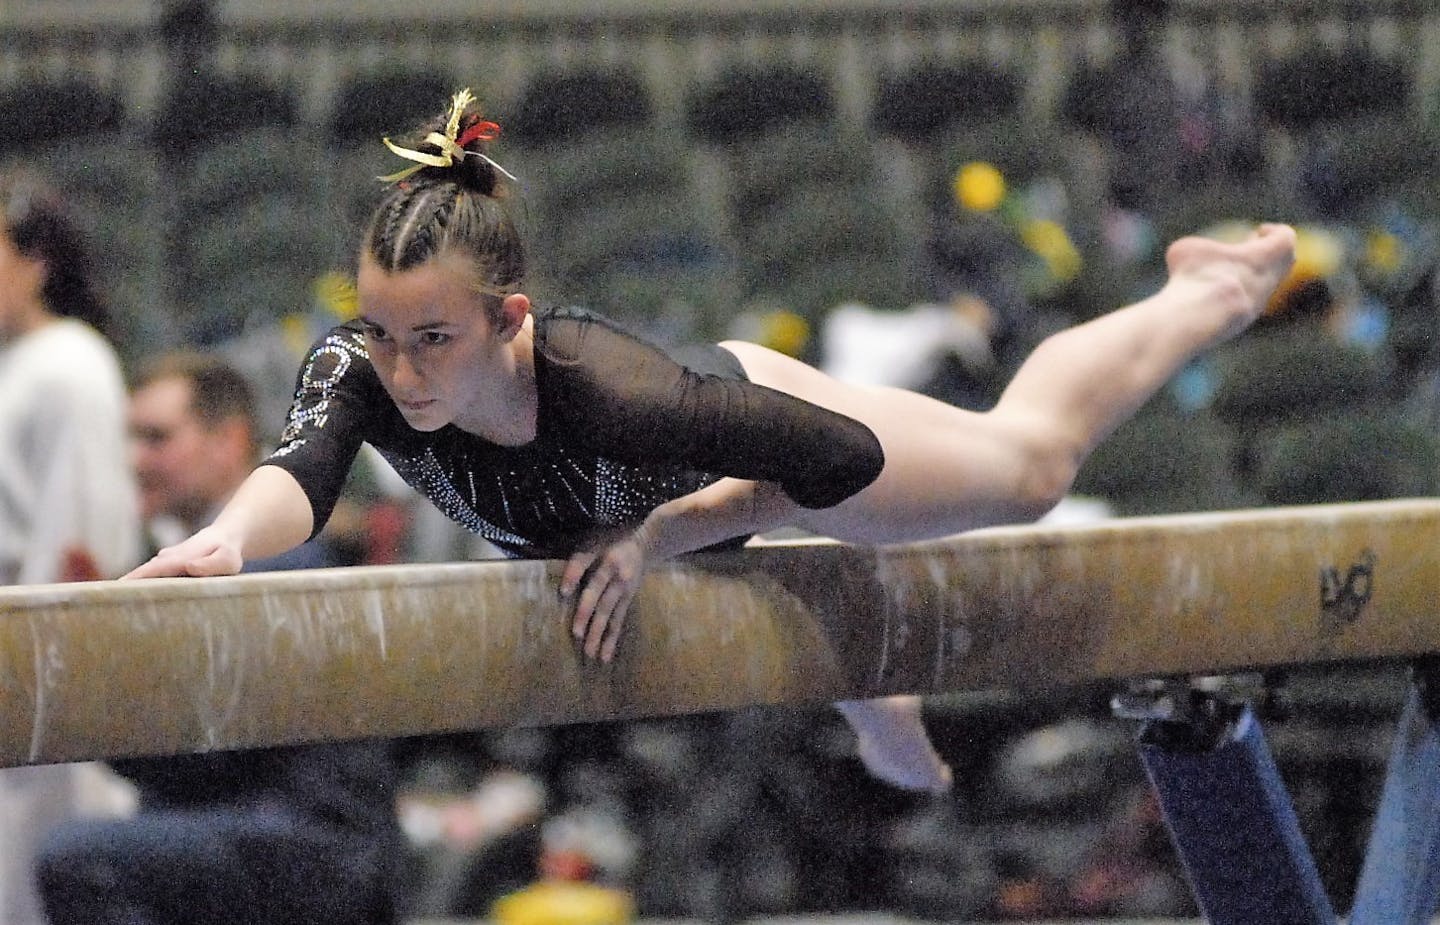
(627,400)
(601,580)
(288,498)
(723,510)
(268,514)
(780,456)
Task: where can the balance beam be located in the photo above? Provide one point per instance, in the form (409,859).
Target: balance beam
(164,666)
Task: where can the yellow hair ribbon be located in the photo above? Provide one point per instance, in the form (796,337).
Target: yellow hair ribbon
(449,150)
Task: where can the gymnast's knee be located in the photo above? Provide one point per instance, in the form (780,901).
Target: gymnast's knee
(1042,498)
(1048,465)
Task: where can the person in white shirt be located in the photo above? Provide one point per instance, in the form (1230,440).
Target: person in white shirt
(67,498)
(65,488)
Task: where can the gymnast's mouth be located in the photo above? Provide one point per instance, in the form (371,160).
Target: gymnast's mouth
(416,405)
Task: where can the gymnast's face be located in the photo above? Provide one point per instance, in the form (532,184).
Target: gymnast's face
(445,352)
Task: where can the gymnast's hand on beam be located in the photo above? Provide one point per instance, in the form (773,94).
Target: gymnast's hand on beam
(602,581)
(208,552)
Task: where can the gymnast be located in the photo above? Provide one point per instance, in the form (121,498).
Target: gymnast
(554,433)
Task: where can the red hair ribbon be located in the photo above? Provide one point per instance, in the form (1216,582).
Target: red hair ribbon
(479,130)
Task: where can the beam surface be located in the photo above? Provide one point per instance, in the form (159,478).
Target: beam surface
(110,669)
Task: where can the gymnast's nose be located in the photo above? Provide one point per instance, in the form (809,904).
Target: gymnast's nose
(409,380)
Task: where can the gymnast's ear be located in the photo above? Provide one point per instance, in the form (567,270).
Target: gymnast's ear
(513,310)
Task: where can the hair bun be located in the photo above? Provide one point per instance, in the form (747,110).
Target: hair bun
(450,149)
(476,173)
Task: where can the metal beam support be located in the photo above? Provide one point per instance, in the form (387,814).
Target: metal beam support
(1400,881)
(1230,817)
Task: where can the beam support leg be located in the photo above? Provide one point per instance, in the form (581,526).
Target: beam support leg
(1400,880)
(1229,815)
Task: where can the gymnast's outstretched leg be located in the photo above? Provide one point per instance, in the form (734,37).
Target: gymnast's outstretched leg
(949,470)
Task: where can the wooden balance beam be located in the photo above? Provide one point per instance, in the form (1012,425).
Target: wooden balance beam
(163,666)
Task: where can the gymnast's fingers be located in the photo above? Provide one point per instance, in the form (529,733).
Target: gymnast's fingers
(595,582)
(608,618)
(157,567)
(170,562)
(574,573)
(203,554)
(615,624)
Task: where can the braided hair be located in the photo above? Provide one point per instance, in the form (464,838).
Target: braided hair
(459,209)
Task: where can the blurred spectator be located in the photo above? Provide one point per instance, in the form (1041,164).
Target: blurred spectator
(67,502)
(194,438)
(473,833)
(990,256)
(974,259)
(878,347)
(573,887)
(277,835)
(1130,871)
(1078,831)
(63,484)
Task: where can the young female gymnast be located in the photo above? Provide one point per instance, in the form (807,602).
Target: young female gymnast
(554,433)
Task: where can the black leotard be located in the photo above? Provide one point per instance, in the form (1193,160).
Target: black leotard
(621,428)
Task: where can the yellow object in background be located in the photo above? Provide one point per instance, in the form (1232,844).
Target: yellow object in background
(979,186)
(335,292)
(785,332)
(1384,252)
(1052,243)
(564,902)
(1319,254)
(296,331)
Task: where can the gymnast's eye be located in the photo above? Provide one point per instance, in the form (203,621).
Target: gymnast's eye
(374,332)
(434,338)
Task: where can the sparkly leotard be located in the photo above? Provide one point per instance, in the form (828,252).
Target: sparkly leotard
(622,427)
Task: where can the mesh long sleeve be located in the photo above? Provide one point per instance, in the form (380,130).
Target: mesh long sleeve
(627,399)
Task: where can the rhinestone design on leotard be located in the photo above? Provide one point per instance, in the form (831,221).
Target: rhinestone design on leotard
(537,500)
(625,494)
(426,475)
(315,390)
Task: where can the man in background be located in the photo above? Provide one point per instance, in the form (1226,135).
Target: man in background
(194,437)
(276,835)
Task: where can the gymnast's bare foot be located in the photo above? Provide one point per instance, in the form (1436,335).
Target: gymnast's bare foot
(893,744)
(1238,277)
